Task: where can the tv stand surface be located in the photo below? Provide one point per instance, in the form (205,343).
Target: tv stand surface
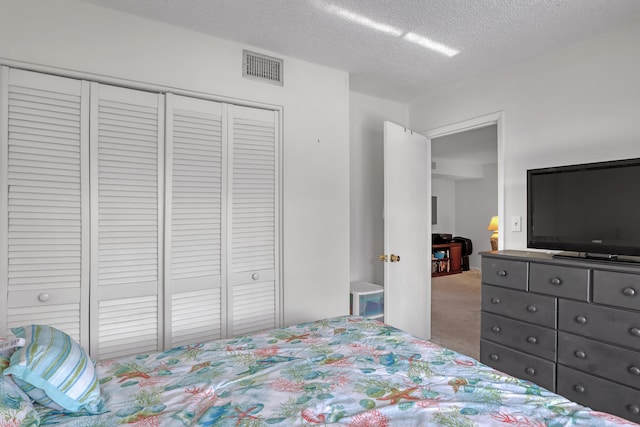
(598,257)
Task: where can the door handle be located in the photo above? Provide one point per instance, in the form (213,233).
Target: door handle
(389,258)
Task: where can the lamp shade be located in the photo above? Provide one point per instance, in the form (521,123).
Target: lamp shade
(493,225)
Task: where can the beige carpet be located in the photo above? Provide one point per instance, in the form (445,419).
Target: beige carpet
(455,312)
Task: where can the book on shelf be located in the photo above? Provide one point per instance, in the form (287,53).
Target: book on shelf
(440,266)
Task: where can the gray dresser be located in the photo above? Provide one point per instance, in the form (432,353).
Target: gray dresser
(571,326)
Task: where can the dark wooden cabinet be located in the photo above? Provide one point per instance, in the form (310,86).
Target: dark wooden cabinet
(446,259)
(571,326)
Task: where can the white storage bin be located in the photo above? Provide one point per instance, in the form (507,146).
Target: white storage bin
(367,299)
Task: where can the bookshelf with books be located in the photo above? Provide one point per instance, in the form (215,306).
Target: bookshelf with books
(446,259)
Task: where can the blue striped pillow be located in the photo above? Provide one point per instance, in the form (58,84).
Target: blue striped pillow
(55,371)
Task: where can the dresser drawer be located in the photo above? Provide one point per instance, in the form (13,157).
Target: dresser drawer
(607,324)
(599,394)
(532,308)
(618,289)
(603,360)
(532,339)
(507,273)
(520,365)
(560,281)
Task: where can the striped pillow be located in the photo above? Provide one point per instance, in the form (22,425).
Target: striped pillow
(55,371)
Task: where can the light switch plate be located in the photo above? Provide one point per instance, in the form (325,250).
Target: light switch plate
(516,223)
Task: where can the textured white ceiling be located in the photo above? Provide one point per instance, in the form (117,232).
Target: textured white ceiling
(490,34)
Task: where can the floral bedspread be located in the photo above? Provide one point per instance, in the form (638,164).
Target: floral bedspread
(348,371)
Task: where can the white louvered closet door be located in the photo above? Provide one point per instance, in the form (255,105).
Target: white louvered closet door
(254,208)
(195,181)
(44,189)
(127,158)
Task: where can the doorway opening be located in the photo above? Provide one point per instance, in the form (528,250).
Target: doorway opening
(493,119)
(467,170)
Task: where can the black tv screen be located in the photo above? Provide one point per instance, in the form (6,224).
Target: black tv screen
(592,208)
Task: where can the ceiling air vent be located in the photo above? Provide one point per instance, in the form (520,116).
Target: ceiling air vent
(262,67)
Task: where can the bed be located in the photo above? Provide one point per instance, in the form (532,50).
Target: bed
(348,370)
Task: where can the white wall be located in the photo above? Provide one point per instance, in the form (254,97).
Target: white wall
(476,203)
(453,169)
(445,191)
(578,104)
(367,180)
(77,36)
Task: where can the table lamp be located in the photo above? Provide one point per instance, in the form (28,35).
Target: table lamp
(493,226)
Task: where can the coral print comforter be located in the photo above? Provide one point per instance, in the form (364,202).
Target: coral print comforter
(346,371)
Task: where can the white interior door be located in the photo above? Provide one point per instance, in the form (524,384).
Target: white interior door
(44,178)
(252,249)
(407,230)
(127,188)
(195,217)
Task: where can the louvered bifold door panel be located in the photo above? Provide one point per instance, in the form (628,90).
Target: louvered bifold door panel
(127,187)
(254,216)
(194,309)
(45,197)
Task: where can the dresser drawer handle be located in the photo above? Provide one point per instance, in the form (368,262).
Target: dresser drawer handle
(634,409)
(635,332)
(530,371)
(581,319)
(630,292)
(494,357)
(556,281)
(496,329)
(495,301)
(532,308)
(580,354)
(634,370)
(255,276)
(579,388)
(502,273)
(532,340)
(44,297)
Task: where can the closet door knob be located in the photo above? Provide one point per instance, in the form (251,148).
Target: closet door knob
(634,370)
(579,388)
(630,292)
(581,319)
(44,297)
(580,354)
(255,276)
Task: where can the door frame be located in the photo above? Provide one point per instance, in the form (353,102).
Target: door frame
(497,119)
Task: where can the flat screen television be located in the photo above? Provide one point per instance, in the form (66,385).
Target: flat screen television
(592,209)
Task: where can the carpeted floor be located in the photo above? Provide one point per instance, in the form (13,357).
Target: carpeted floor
(455,312)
